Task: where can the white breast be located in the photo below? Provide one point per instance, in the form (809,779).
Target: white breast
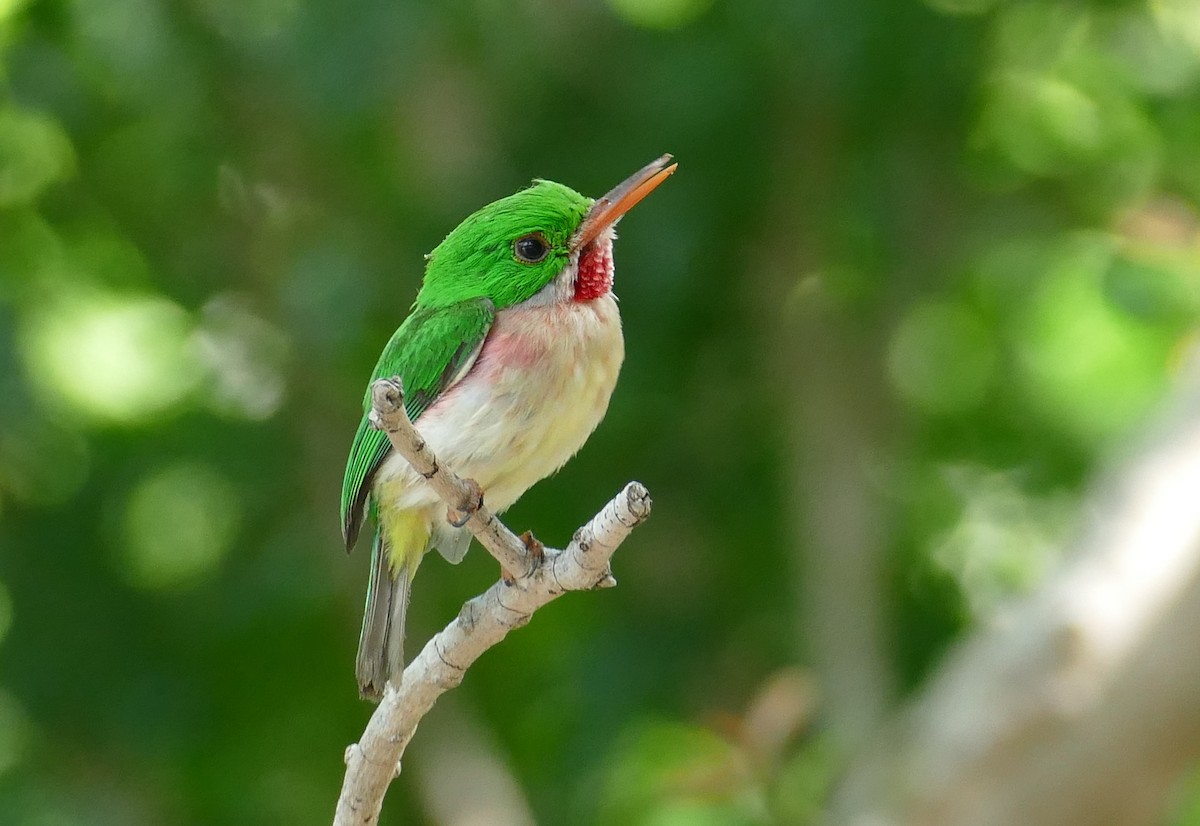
(538,389)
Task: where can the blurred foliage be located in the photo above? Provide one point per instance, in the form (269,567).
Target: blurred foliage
(212,215)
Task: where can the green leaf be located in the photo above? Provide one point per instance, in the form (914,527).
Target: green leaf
(34,153)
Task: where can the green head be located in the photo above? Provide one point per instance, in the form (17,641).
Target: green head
(507,251)
(513,248)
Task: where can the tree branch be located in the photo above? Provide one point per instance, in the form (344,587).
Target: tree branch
(387,414)
(373,762)
(1082,704)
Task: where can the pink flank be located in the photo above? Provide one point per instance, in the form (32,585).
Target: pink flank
(511,347)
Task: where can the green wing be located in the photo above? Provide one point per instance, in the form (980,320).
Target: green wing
(432,349)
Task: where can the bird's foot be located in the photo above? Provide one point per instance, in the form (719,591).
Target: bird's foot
(537,551)
(469,506)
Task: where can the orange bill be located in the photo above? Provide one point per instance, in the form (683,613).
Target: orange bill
(622,198)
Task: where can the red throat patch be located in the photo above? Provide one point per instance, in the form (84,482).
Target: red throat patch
(594,277)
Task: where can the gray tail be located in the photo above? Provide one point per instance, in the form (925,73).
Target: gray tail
(381,644)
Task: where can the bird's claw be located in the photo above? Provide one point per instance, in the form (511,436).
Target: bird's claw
(537,551)
(471,504)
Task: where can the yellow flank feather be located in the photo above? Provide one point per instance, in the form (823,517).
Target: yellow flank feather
(407,531)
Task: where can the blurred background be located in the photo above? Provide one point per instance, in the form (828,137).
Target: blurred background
(923,266)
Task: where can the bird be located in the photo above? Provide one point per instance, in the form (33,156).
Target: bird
(508,359)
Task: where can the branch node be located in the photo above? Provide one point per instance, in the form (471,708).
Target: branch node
(559,588)
(454,667)
(468,615)
(606,581)
(387,396)
(519,620)
(639,501)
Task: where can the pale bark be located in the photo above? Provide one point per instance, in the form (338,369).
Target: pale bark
(1081,705)
(373,761)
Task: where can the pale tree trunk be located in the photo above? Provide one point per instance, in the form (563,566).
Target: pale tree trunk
(1080,706)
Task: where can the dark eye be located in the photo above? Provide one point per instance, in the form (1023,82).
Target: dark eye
(530,249)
